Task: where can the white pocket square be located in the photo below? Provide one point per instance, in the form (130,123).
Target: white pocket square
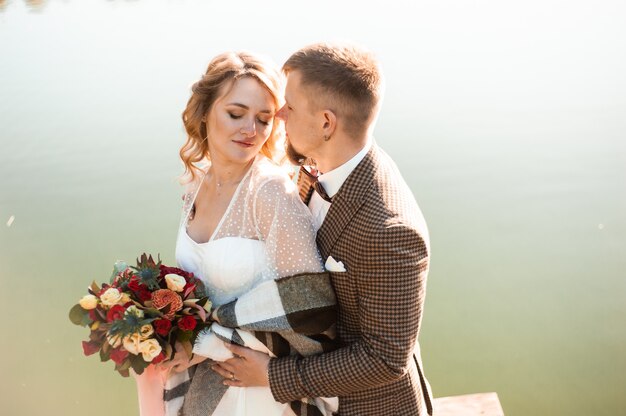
(333,265)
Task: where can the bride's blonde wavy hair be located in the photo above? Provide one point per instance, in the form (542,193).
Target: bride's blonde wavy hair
(223,70)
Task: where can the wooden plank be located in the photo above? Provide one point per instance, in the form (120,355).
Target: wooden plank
(481,404)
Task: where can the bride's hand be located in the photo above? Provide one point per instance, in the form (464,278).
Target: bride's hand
(183,365)
(181,360)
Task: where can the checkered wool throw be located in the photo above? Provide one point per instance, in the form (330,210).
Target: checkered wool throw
(290,316)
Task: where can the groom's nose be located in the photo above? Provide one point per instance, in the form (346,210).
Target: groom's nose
(282,113)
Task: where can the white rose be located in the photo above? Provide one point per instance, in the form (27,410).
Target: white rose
(133,310)
(175,282)
(149,349)
(146,331)
(111,297)
(131,343)
(88,302)
(115,340)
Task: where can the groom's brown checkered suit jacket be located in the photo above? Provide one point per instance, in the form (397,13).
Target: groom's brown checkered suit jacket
(376,229)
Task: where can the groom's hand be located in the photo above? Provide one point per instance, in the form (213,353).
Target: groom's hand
(248,368)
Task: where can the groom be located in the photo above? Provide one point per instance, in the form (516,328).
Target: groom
(372,236)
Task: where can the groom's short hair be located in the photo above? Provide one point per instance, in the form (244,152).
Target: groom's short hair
(344,78)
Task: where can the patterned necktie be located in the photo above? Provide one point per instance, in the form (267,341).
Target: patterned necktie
(315,184)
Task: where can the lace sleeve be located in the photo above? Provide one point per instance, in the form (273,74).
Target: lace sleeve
(190,191)
(285,223)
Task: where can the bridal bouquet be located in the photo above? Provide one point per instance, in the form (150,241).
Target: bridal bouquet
(138,317)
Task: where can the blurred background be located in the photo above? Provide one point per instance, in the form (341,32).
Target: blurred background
(506,118)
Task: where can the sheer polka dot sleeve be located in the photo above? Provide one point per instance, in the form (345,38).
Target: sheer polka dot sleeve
(285,223)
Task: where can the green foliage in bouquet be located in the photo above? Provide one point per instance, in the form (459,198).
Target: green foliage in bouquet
(148,271)
(134,320)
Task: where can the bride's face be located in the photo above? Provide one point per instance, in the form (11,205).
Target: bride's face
(240,122)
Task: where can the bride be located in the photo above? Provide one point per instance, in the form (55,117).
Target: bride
(246,234)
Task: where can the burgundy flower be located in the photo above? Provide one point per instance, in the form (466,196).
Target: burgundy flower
(174,270)
(187,323)
(162,327)
(116,312)
(118,355)
(134,284)
(90,348)
(144,294)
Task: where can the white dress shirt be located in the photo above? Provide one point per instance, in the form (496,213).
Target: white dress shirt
(332,181)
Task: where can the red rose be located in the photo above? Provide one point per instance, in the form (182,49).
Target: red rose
(134,285)
(187,323)
(144,294)
(118,355)
(90,347)
(158,358)
(116,312)
(162,326)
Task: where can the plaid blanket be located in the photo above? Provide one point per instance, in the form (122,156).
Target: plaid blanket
(290,315)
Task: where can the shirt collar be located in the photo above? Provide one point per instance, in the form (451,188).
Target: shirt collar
(332,180)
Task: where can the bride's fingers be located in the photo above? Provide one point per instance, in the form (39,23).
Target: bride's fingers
(171,364)
(179,367)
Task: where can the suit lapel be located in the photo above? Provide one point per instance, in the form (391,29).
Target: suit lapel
(347,202)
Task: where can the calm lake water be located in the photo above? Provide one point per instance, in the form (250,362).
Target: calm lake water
(506,119)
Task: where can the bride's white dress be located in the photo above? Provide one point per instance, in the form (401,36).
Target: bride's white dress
(265,233)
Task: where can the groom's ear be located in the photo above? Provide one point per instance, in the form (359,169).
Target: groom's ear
(329,123)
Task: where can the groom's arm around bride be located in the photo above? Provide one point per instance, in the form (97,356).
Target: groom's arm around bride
(384,248)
